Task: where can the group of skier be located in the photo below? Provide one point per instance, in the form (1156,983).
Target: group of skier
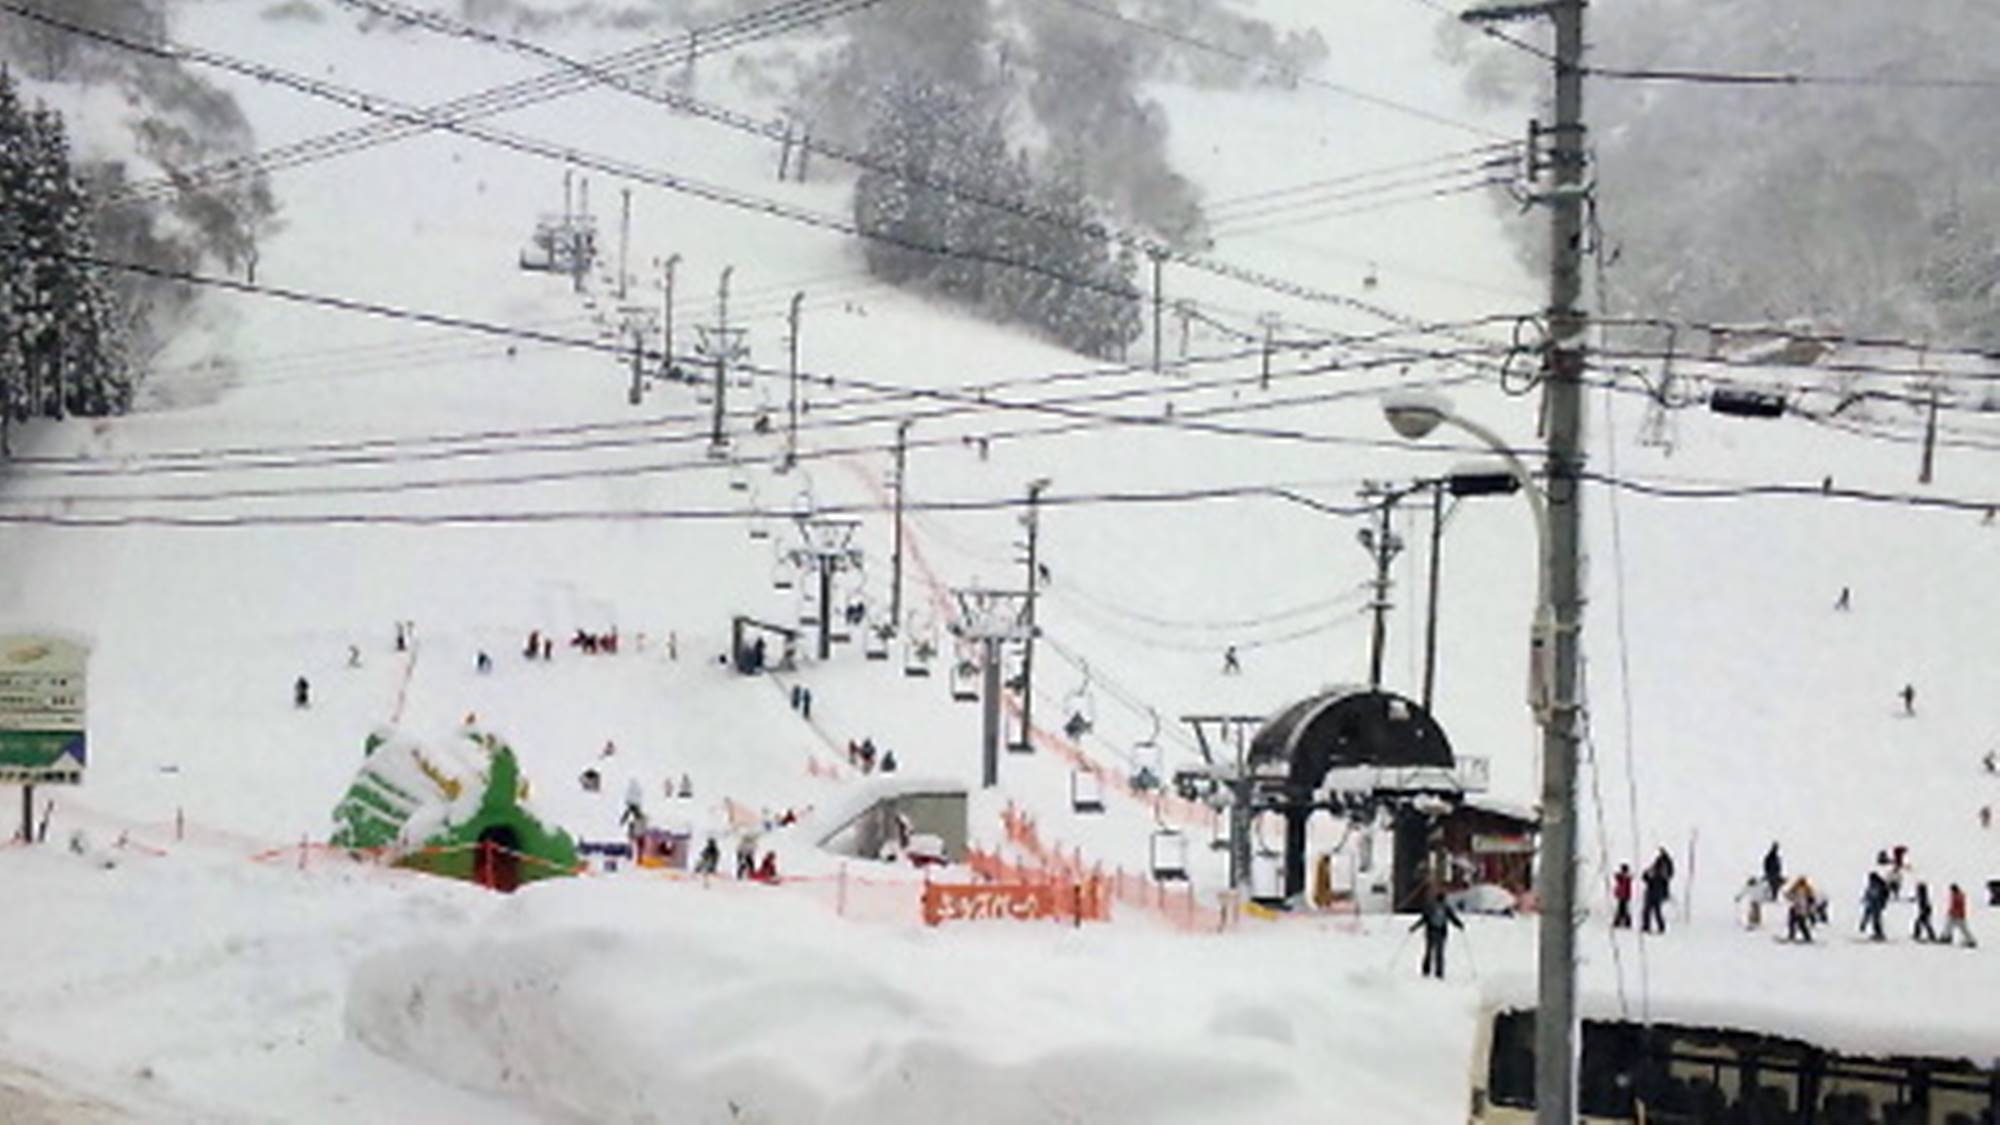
(1806,907)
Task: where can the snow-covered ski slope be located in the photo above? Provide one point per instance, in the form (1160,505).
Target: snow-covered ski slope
(413,473)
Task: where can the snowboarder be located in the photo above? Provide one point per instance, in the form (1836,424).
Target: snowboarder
(1922,930)
(1659,879)
(1435,919)
(767,871)
(301,693)
(1844,601)
(1801,901)
(483,663)
(1774,871)
(1873,899)
(1909,694)
(1954,917)
(888,761)
(1231,665)
(1621,898)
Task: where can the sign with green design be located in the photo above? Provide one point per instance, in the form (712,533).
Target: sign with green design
(42,738)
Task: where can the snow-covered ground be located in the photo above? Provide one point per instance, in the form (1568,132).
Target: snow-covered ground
(187,981)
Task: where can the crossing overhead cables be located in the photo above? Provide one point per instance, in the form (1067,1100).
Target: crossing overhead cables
(972,193)
(1186,40)
(724,36)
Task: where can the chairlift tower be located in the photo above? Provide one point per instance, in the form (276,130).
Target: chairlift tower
(721,343)
(993,618)
(1225,745)
(826,548)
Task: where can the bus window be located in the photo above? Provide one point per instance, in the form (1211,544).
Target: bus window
(1960,1095)
(1510,1081)
(1854,1092)
(1611,1057)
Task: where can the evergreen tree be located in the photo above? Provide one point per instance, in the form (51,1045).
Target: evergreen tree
(61,349)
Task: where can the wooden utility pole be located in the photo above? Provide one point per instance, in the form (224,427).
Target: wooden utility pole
(896,530)
(1382,545)
(1159,257)
(1930,434)
(1033,520)
(624,239)
(792,369)
(667,316)
(1431,611)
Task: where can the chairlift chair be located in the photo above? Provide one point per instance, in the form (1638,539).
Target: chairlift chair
(781,573)
(919,647)
(1086,791)
(759,530)
(1168,851)
(878,634)
(1224,833)
(965,679)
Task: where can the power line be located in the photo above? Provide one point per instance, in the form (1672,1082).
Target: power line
(727,35)
(1787,78)
(1258,198)
(1187,40)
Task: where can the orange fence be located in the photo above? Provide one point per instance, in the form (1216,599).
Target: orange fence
(1178,906)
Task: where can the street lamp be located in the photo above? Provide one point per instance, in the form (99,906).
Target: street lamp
(1415,415)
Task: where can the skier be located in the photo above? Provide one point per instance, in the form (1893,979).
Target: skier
(1753,895)
(1801,900)
(1873,899)
(711,855)
(301,693)
(1659,879)
(1954,917)
(746,857)
(806,703)
(1922,931)
(888,761)
(1230,664)
(1437,915)
(483,664)
(1621,898)
(1909,694)
(1844,601)
(1986,816)
(354,661)
(1992,761)
(1774,871)
(402,638)
(687,787)
(767,871)
(634,816)
(548,649)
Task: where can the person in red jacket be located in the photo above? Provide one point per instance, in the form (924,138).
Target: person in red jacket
(1621,897)
(1954,917)
(767,871)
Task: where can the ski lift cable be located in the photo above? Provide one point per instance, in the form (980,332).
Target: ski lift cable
(1628,727)
(1242,643)
(1069,590)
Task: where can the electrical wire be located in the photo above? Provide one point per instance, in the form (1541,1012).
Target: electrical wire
(1187,40)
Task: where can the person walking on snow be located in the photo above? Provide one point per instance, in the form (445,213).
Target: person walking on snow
(1845,600)
(1436,918)
(1800,901)
(1922,931)
(1659,879)
(1873,899)
(1230,664)
(1753,895)
(1954,918)
(1909,694)
(1621,898)
(1774,871)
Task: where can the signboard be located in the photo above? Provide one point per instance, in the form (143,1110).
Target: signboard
(42,739)
(944,902)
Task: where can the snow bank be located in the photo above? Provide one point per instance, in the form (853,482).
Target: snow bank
(768,1010)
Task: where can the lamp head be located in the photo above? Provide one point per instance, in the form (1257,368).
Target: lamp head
(1414,414)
